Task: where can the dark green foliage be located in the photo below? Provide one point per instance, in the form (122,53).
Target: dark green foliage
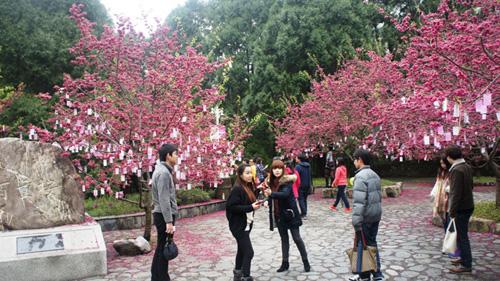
(195,195)
(34,40)
(24,110)
(262,141)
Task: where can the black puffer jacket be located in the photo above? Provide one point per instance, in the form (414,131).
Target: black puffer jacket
(289,216)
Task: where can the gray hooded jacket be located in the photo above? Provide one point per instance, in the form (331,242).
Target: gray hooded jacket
(366,198)
(164,200)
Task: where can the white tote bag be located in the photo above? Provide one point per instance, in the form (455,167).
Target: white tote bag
(450,239)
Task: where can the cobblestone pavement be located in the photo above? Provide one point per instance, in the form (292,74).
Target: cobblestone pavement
(409,246)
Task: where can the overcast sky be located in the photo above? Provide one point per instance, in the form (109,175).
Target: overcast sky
(137,9)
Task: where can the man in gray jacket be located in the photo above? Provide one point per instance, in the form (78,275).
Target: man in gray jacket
(165,207)
(367,208)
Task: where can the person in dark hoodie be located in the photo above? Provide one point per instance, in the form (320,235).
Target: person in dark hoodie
(165,207)
(283,212)
(461,205)
(240,208)
(304,170)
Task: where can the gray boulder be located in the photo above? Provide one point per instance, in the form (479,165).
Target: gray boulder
(131,247)
(38,187)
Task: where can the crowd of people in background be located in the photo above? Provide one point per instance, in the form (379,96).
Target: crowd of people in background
(284,186)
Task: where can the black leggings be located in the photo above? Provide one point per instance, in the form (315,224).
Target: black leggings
(159,268)
(244,254)
(285,243)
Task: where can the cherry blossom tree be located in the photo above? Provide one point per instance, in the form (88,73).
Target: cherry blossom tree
(135,94)
(453,66)
(337,112)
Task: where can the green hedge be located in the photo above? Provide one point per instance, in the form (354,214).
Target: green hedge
(487,210)
(109,206)
(195,195)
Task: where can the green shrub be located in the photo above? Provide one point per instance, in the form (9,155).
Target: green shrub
(195,195)
(487,210)
(109,206)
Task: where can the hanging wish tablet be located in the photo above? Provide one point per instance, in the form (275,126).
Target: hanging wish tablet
(447,136)
(456,110)
(487,99)
(466,117)
(426,140)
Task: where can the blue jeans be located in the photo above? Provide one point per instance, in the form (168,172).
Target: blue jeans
(341,195)
(462,223)
(303,193)
(370,231)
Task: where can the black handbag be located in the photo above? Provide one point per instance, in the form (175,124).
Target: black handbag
(170,251)
(289,215)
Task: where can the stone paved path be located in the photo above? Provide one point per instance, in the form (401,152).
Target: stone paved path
(409,245)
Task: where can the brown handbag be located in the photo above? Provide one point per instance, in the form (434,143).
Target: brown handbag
(368,261)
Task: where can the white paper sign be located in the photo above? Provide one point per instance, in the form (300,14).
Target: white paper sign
(456,110)
(487,99)
(447,136)
(426,140)
(456,130)
(445,104)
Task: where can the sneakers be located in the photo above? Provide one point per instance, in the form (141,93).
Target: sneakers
(357,278)
(347,210)
(333,208)
(456,262)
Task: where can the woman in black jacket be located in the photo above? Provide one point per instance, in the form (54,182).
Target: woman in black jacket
(240,207)
(283,212)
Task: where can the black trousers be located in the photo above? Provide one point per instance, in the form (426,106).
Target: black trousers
(159,268)
(285,242)
(244,254)
(341,196)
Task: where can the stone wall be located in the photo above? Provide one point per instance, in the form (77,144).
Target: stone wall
(138,220)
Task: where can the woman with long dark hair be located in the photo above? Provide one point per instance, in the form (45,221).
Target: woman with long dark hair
(283,212)
(441,191)
(240,207)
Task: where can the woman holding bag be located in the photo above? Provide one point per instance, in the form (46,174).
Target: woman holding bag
(440,192)
(240,208)
(283,212)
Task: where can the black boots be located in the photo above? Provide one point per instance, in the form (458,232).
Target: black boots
(307,266)
(237,275)
(284,266)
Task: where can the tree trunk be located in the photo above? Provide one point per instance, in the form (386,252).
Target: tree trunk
(496,170)
(146,205)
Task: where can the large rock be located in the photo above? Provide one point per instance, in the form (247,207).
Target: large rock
(38,187)
(481,225)
(131,247)
(392,190)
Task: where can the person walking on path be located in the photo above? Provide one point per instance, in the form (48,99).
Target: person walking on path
(304,170)
(461,207)
(165,207)
(260,170)
(284,214)
(329,166)
(240,208)
(440,192)
(340,183)
(367,208)
(290,170)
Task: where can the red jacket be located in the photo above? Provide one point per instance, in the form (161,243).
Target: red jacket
(296,184)
(340,176)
